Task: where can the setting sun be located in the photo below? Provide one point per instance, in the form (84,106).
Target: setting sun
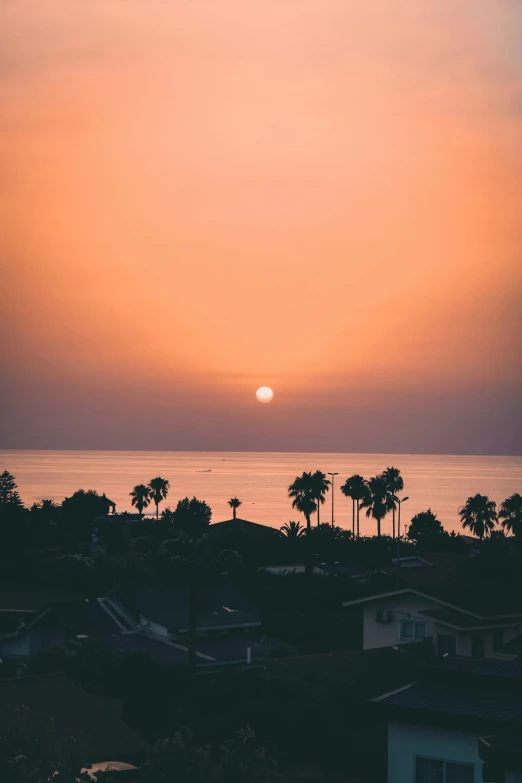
(264,394)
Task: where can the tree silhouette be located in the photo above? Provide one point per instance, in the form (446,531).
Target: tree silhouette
(141,496)
(292,530)
(302,491)
(395,484)
(511,515)
(376,501)
(355,488)
(8,490)
(159,490)
(425,528)
(479,515)
(321,486)
(234,504)
(193,516)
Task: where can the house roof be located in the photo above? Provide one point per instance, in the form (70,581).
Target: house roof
(440,597)
(434,699)
(85,618)
(17,599)
(162,652)
(239,525)
(221,606)
(97,731)
(462,621)
(476,667)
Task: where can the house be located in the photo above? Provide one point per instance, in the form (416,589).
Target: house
(228,627)
(67,626)
(242,528)
(436,724)
(501,755)
(409,615)
(148,619)
(356,571)
(96,731)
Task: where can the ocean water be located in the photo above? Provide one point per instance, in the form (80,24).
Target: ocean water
(260,480)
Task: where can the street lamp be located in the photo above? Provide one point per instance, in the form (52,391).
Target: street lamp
(399,501)
(333,475)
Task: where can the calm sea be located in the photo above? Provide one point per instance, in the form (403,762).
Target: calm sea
(260,480)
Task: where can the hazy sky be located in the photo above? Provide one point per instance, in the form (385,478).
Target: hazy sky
(200,197)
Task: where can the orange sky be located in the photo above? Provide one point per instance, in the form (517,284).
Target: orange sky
(200,197)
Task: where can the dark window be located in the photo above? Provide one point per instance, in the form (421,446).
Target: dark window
(477,647)
(447,644)
(413,630)
(429,770)
(459,773)
(438,771)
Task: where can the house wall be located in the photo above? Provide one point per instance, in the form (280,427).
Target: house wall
(406,607)
(15,646)
(409,607)
(405,741)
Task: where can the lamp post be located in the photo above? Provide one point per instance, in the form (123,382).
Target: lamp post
(333,478)
(399,501)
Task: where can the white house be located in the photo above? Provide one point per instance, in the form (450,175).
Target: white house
(410,615)
(437,724)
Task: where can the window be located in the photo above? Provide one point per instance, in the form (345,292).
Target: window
(410,629)
(447,644)
(438,771)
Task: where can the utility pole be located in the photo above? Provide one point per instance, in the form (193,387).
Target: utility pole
(399,501)
(333,479)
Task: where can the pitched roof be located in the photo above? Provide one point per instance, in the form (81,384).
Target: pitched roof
(466,622)
(239,525)
(434,699)
(32,599)
(476,667)
(440,596)
(162,652)
(85,618)
(221,606)
(98,732)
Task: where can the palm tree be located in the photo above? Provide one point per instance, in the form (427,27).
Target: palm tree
(376,501)
(479,514)
(159,490)
(303,491)
(292,530)
(140,497)
(355,488)
(322,485)
(234,504)
(511,515)
(395,484)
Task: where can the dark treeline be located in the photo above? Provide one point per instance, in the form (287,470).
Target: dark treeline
(80,547)
(78,544)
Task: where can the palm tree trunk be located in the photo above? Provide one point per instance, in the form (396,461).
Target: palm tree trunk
(234,512)
(353,517)
(378,527)
(358,528)
(157,511)
(318,512)
(393,522)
